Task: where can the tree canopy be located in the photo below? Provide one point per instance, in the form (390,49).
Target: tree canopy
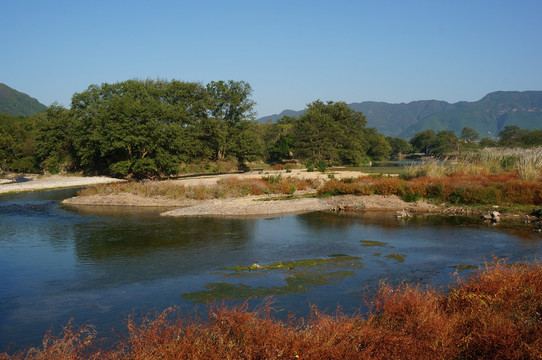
(330,132)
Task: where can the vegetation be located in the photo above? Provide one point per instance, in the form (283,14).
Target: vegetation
(460,189)
(492,314)
(228,187)
(15,103)
(154,128)
(490,176)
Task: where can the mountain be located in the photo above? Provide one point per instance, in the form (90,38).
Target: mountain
(16,103)
(488,116)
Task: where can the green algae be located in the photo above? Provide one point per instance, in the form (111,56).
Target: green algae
(294,284)
(399,258)
(464,267)
(371,243)
(296,263)
(301,275)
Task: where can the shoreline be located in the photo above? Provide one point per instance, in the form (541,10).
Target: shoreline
(48,182)
(262,205)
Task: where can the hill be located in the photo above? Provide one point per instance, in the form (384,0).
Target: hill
(488,115)
(16,103)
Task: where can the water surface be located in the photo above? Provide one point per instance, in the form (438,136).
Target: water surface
(99,264)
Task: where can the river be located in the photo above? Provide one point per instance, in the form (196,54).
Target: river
(99,264)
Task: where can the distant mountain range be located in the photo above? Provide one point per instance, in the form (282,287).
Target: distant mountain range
(488,116)
(16,103)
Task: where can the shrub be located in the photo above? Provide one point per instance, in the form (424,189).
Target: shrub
(321,166)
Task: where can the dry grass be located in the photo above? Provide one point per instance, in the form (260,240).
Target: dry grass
(494,314)
(227,187)
(499,189)
(526,162)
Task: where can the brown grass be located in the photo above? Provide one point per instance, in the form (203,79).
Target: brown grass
(497,189)
(227,187)
(494,314)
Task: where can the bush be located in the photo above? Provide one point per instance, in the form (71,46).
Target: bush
(321,166)
(121,168)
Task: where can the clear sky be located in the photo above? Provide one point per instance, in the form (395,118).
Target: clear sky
(291,52)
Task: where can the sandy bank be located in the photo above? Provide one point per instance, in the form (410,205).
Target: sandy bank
(260,206)
(263,205)
(298,174)
(35,182)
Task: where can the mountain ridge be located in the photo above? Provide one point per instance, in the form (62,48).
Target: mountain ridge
(488,116)
(16,103)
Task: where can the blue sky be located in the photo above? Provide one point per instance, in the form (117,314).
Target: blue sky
(290,52)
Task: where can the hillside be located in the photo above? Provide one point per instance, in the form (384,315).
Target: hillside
(16,103)
(488,116)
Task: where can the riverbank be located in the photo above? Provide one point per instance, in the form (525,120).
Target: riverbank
(271,202)
(281,192)
(33,182)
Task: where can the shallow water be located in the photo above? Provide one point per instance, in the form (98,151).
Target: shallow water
(99,264)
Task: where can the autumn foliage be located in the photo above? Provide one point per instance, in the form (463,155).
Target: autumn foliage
(496,313)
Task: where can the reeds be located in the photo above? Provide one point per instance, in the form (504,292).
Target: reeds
(526,162)
(496,313)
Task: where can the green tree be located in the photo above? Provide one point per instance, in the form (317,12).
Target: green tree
(511,136)
(488,142)
(379,147)
(399,146)
(423,139)
(137,128)
(53,145)
(282,149)
(532,138)
(330,132)
(469,135)
(446,142)
(17,137)
(248,146)
(230,104)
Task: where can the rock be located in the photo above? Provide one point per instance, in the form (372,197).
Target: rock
(493,216)
(537,213)
(403,214)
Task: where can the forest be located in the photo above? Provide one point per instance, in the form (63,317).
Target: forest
(156,128)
